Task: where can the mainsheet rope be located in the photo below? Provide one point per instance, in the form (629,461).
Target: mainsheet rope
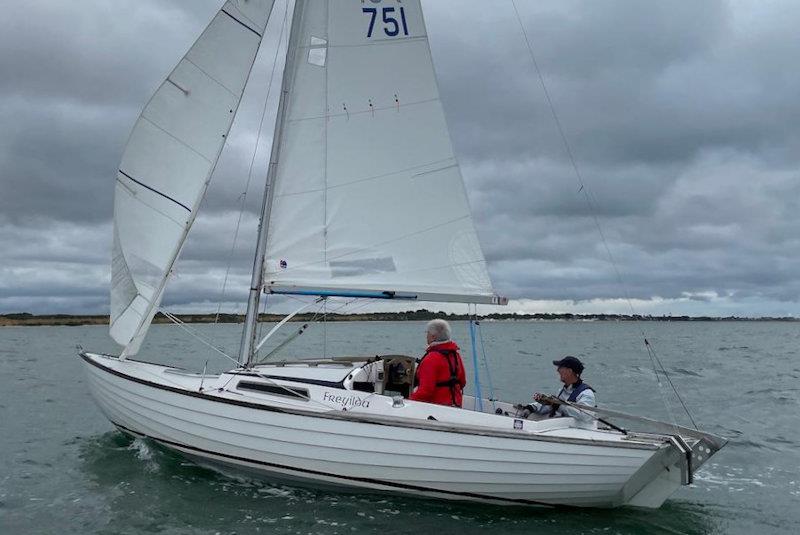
(476,369)
(492,396)
(196,334)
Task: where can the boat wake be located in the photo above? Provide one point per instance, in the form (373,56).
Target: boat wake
(144,452)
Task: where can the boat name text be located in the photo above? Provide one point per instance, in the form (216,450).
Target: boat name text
(346,401)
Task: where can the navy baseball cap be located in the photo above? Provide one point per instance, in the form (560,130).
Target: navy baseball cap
(570,362)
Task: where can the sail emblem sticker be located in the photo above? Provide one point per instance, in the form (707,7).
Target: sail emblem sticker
(283,264)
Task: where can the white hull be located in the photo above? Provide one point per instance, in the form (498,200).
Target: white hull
(482,459)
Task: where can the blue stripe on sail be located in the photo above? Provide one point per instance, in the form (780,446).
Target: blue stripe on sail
(345,293)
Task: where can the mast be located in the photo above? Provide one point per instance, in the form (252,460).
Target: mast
(246,351)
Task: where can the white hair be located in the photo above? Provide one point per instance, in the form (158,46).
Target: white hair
(440,330)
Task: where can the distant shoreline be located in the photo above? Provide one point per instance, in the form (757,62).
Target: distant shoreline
(24,318)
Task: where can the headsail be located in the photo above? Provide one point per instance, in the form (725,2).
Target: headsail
(368,196)
(168,162)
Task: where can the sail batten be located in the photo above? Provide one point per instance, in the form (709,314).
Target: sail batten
(257,34)
(169,159)
(129,177)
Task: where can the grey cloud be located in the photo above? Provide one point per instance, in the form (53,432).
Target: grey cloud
(94,52)
(682,117)
(631,81)
(58,161)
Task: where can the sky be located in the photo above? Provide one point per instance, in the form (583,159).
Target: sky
(683,119)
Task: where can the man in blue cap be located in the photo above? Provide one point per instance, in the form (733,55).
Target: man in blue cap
(574,391)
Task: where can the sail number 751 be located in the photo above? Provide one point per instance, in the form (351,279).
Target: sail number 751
(391,25)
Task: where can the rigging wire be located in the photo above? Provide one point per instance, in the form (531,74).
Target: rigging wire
(669,380)
(243,195)
(591,203)
(316,314)
(322,311)
(195,333)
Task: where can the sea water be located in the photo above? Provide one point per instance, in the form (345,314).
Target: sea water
(64,469)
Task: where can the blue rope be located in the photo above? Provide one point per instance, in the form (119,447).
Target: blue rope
(478,396)
(492,397)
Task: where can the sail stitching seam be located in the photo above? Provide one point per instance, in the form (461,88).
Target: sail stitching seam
(223,86)
(371,110)
(368,247)
(126,307)
(156,191)
(375,177)
(176,138)
(153,208)
(436,268)
(384,42)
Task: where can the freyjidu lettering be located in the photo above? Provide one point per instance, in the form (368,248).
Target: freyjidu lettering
(346,401)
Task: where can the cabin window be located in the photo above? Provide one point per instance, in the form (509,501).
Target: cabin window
(289,392)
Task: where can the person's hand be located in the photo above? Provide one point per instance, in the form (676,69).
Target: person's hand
(545,399)
(523,411)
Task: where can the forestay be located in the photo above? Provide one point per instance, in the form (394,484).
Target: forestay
(169,159)
(368,195)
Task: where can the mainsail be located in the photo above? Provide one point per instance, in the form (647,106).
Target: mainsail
(169,159)
(368,195)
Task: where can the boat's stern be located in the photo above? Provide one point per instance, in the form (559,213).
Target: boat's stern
(674,466)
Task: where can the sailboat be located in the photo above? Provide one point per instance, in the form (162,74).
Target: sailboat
(364,200)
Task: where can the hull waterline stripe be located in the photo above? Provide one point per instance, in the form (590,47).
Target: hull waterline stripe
(242,23)
(129,177)
(336,415)
(391,484)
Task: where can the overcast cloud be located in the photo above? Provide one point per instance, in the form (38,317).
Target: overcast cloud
(683,118)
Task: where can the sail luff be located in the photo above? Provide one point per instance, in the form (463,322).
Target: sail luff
(251,319)
(170,158)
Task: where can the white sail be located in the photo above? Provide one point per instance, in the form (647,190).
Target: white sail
(168,162)
(368,195)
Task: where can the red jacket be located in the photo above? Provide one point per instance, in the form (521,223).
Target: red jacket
(434,369)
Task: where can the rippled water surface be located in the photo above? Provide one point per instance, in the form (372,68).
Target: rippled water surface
(65,470)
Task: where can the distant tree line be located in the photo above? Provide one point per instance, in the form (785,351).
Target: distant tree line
(25,318)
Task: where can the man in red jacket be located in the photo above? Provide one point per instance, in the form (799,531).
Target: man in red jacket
(440,373)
